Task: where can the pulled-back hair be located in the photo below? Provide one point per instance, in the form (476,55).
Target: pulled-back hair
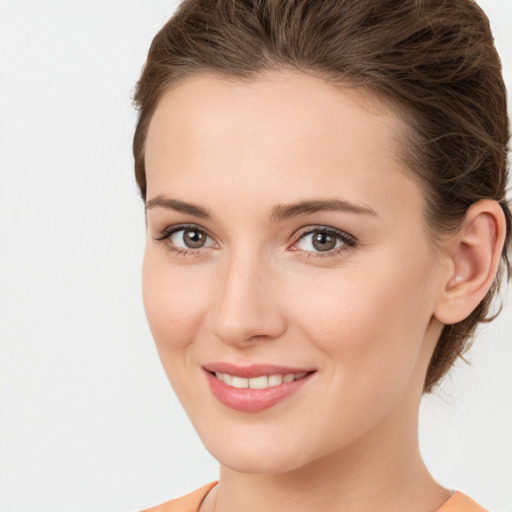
(433,60)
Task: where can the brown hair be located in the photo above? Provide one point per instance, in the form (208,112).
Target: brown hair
(433,59)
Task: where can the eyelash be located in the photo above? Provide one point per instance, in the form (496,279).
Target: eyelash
(166,234)
(349,242)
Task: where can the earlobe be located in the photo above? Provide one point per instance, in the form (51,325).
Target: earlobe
(474,253)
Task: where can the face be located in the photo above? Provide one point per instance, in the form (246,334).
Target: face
(288,279)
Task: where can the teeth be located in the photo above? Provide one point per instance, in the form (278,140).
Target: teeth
(261,382)
(240,382)
(275,380)
(258,382)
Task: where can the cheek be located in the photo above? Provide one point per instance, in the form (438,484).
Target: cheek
(173,300)
(369,319)
(370,327)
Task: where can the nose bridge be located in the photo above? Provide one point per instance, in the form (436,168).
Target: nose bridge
(247,306)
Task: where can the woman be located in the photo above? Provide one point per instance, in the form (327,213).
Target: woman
(326,227)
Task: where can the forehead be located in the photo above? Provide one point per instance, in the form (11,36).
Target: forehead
(297,104)
(287,130)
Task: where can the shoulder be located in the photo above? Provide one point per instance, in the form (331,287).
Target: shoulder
(460,502)
(187,503)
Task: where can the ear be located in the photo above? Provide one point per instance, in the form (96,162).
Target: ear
(473,256)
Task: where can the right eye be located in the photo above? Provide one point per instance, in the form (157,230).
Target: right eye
(185,238)
(189,238)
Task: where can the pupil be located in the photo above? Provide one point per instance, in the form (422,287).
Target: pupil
(324,242)
(193,239)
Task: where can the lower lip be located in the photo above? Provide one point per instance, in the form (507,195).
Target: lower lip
(252,400)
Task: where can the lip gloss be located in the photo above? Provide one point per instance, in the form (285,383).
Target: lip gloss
(253,400)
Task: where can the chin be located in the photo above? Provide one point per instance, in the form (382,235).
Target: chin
(257,457)
(261,464)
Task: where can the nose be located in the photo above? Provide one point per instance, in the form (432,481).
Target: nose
(246,307)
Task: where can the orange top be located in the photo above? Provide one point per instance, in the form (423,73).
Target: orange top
(458,502)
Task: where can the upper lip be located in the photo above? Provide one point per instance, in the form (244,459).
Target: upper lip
(254,370)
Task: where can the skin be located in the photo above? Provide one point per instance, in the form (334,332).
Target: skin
(364,316)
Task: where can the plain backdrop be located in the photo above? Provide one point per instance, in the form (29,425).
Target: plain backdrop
(88,420)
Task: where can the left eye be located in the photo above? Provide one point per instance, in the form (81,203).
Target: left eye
(190,238)
(320,241)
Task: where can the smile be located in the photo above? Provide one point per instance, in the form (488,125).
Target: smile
(254,388)
(261,382)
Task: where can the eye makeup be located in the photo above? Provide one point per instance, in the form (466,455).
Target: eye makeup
(325,241)
(334,241)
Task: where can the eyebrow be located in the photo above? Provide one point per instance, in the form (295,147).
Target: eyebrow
(285,211)
(279,213)
(178,206)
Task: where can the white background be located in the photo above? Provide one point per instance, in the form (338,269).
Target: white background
(88,420)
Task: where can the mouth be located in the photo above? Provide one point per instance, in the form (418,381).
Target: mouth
(254,388)
(261,382)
